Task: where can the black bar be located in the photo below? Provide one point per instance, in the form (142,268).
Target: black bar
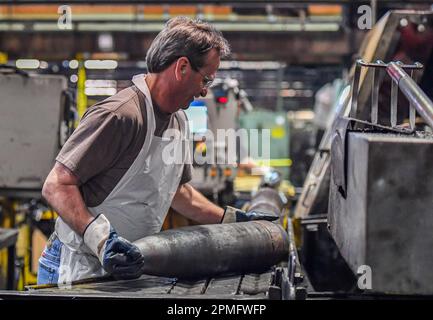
(218,2)
(10,282)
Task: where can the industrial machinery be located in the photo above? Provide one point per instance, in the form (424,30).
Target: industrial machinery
(277,125)
(211,120)
(364,207)
(34,122)
(380,198)
(36,118)
(393,38)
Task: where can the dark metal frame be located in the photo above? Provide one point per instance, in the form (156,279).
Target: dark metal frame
(419,102)
(8,238)
(216,2)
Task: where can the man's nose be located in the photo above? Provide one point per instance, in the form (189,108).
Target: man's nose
(203,92)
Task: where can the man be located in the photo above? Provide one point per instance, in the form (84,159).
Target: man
(110,184)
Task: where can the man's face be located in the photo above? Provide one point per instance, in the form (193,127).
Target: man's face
(195,84)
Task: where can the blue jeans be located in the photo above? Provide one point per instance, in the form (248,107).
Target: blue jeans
(49,262)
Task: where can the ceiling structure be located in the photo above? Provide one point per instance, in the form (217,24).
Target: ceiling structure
(294,32)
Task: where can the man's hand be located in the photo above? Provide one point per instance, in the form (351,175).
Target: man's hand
(119,257)
(232,215)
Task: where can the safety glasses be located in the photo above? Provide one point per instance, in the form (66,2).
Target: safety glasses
(207,81)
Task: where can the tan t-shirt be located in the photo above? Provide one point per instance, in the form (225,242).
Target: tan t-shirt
(108,139)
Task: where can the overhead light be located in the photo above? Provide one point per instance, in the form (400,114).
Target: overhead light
(130,27)
(321,27)
(27,63)
(46,27)
(273,27)
(100,83)
(73,64)
(100,91)
(105,42)
(43,65)
(12,27)
(73,78)
(100,64)
(252,65)
(223,26)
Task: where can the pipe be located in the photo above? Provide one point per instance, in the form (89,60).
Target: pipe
(267,200)
(208,250)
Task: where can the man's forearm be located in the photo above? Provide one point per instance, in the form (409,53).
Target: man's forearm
(67,202)
(193,205)
(63,195)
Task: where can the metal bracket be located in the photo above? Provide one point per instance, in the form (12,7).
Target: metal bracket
(375,90)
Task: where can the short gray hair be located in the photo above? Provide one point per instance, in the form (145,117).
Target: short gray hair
(184,37)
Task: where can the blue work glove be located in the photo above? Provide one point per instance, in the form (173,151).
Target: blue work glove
(119,257)
(232,215)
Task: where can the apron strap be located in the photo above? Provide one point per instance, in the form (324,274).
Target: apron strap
(150,118)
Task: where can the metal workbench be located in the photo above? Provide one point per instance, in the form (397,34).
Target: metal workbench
(239,287)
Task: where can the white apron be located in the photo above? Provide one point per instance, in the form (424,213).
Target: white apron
(138,204)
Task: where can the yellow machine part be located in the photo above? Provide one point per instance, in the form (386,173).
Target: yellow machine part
(281,162)
(23,251)
(3,58)
(252,183)
(247,183)
(13,217)
(297,230)
(81,96)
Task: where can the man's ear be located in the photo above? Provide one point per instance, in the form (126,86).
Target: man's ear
(180,68)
